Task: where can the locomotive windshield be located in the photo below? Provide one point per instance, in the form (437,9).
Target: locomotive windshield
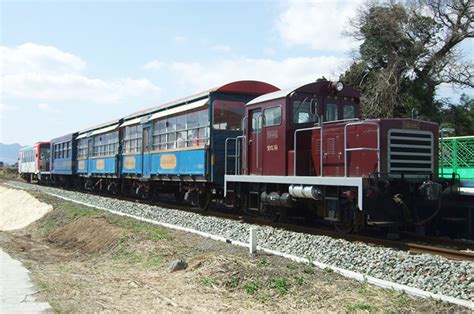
(303,111)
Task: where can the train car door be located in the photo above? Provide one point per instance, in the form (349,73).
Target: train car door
(146,148)
(255,142)
(273,142)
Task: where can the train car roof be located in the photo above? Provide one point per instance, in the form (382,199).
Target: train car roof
(243,87)
(63,138)
(320,85)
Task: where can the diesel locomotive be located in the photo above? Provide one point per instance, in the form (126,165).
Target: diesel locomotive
(306,149)
(277,153)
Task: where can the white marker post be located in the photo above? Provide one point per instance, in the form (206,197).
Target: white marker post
(253,240)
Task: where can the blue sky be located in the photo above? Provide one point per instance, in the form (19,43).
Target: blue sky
(69,65)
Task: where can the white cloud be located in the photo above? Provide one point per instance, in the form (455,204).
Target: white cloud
(153,65)
(47,108)
(317,24)
(282,73)
(44,73)
(221,48)
(5,108)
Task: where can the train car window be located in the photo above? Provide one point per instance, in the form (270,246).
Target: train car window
(82,148)
(272,116)
(181,122)
(227,115)
(181,139)
(302,112)
(348,112)
(203,118)
(171,124)
(133,139)
(192,120)
(331,112)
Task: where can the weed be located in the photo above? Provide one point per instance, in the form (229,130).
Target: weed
(365,291)
(43,286)
(357,307)
(402,299)
(264,298)
(251,287)
(299,280)
(308,270)
(233,282)
(263,262)
(292,266)
(207,281)
(280,284)
(328,270)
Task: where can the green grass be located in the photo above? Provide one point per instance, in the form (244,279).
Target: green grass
(308,270)
(146,230)
(292,266)
(366,292)
(251,287)
(263,261)
(299,280)
(280,284)
(207,281)
(233,282)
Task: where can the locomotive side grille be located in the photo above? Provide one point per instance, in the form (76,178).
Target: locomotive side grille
(410,152)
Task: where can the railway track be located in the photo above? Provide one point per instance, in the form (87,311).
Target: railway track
(448,248)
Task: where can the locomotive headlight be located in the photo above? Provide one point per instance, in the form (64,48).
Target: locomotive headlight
(339,86)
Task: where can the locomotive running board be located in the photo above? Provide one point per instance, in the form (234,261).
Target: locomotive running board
(304,180)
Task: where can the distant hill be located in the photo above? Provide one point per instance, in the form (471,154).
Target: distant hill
(9,153)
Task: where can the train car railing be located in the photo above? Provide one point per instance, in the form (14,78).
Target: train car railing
(236,156)
(456,156)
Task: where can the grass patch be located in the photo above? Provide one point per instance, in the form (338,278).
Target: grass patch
(233,282)
(145,230)
(280,284)
(264,262)
(308,270)
(43,285)
(366,292)
(207,281)
(358,307)
(299,280)
(292,266)
(251,287)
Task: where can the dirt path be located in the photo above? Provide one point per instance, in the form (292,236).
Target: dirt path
(85,260)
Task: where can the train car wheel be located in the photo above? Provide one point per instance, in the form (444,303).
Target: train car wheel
(204,200)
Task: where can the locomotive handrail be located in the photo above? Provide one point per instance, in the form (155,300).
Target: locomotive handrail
(361,148)
(320,145)
(259,133)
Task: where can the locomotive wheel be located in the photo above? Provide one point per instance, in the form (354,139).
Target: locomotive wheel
(346,221)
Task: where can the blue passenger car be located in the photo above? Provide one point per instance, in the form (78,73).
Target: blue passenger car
(183,141)
(98,151)
(63,157)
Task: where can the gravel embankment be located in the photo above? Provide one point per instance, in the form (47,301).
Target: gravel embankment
(430,273)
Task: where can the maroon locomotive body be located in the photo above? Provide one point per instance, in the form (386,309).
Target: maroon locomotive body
(305,149)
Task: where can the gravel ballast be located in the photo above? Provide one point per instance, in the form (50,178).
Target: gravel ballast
(430,273)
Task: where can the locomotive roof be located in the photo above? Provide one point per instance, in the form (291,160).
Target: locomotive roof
(319,86)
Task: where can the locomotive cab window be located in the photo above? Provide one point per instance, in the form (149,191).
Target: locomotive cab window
(272,116)
(331,112)
(348,112)
(303,111)
(256,121)
(227,115)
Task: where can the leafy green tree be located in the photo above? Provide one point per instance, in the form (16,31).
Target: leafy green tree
(407,50)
